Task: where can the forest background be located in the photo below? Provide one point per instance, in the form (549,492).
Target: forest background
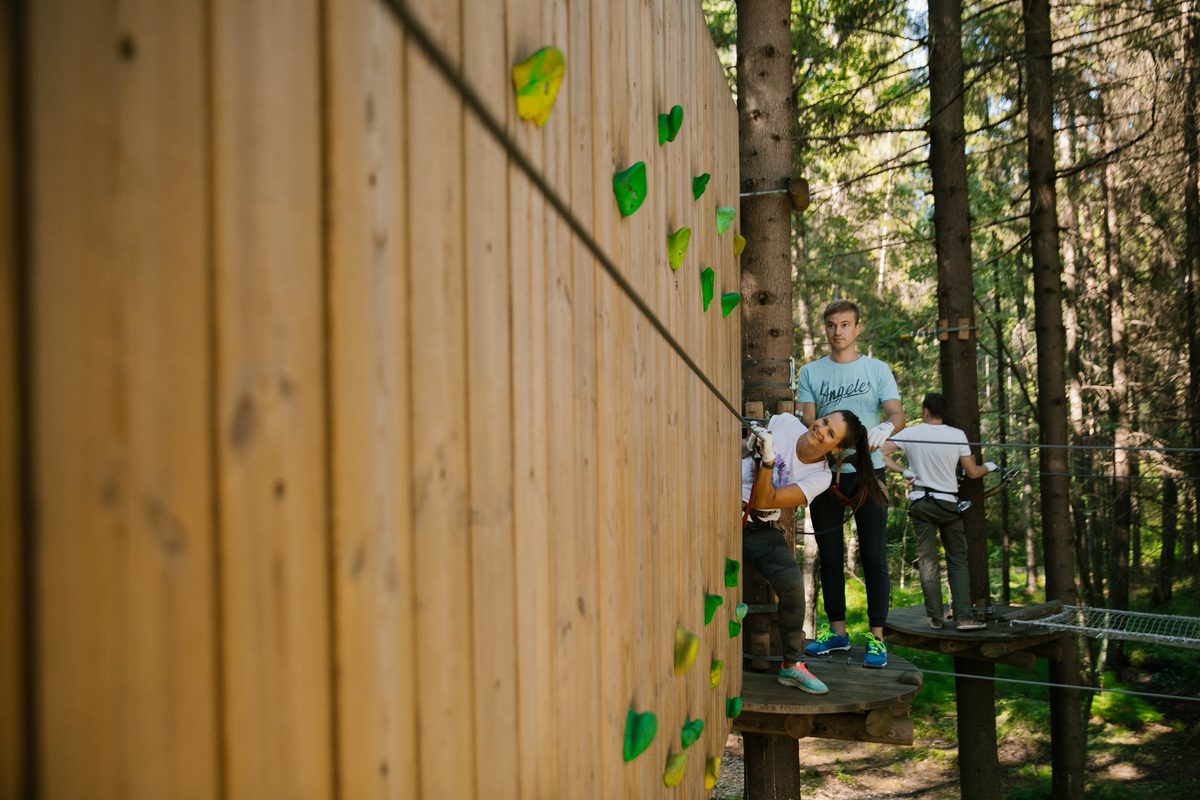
(1126,76)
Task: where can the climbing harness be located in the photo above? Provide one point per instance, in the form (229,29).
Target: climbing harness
(962,505)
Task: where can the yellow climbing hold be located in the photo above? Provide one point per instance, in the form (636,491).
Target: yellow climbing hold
(536,80)
(687,645)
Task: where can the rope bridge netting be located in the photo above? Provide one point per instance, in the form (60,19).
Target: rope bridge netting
(1100,623)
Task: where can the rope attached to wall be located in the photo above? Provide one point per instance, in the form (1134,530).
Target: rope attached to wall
(417,33)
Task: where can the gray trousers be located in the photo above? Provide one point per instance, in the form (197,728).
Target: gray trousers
(930,517)
(764,546)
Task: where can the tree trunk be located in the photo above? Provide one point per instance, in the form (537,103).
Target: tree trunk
(1166,561)
(1191,196)
(1118,409)
(766,114)
(1066,725)
(772,766)
(952,237)
(1002,437)
(979,768)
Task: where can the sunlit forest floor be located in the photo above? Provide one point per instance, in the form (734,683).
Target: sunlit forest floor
(1138,747)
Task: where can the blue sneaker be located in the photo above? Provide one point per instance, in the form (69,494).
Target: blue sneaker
(876,656)
(826,642)
(798,675)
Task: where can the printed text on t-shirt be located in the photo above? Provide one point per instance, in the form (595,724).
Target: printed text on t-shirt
(829,395)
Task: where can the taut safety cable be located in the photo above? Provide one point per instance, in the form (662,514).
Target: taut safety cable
(421,37)
(1037,445)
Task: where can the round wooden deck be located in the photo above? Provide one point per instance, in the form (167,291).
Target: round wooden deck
(862,704)
(1000,642)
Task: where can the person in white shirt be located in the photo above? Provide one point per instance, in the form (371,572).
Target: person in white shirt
(790,469)
(934,450)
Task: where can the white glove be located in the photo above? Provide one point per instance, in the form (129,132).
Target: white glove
(765,444)
(990,466)
(879,434)
(909,475)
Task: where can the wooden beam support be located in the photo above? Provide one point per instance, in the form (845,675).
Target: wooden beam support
(881,725)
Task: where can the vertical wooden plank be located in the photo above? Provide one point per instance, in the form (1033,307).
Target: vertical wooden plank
(118,280)
(371,402)
(14,689)
(607,65)
(270,400)
(441,483)
(495,560)
(563,691)
(527,215)
(578,600)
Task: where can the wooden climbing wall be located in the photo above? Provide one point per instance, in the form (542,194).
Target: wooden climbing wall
(332,464)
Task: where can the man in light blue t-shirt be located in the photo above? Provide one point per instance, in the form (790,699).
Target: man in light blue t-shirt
(846,379)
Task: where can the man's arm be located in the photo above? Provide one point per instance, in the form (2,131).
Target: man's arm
(894,413)
(972,469)
(892,465)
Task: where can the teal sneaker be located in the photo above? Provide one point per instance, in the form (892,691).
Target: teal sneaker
(826,642)
(798,675)
(876,657)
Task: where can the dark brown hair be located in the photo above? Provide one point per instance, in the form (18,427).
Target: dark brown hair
(838,306)
(868,487)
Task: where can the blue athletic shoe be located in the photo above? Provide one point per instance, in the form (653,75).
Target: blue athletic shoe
(798,675)
(876,657)
(826,642)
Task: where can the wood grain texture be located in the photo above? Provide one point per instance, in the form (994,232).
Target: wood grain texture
(362,474)
(270,390)
(371,401)
(119,355)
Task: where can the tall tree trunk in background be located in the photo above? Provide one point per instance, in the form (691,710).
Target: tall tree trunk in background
(1002,437)
(1066,725)
(1118,408)
(1031,562)
(766,115)
(1191,196)
(979,766)
(1166,561)
(1073,246)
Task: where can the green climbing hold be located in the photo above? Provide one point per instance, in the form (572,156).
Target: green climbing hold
(739,244)
(735,628)
(714,672)
(740,611)
(711,603)
(729,302)
(731,572)
(712,771)
(639,732)
(629,187)
(673,774)
(677,244)
(733,707)
(537,80)
(687,645)
(707,279)
(724,219)
(699,184)
(691,732)
(669,124)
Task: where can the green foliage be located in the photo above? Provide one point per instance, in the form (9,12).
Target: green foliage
(1127,711)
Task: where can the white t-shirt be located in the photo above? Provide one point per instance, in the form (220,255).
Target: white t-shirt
(786,430)
(935,464)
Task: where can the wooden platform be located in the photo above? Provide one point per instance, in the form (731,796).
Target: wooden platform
(1000,642)
(868,705)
